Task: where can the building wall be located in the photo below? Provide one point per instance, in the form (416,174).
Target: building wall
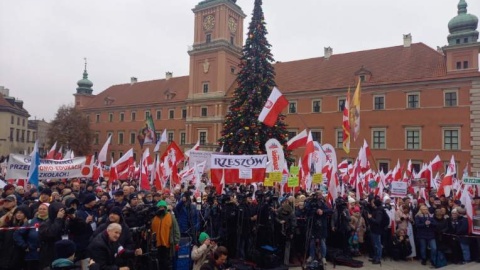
(17,143)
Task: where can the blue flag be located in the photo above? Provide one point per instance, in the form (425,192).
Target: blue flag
(33,172)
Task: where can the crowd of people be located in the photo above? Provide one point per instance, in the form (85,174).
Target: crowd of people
(87,225)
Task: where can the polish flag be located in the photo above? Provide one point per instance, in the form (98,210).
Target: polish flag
(436,163)
(51,153)
(276,102)
(194,148)
(307,160)
(447,180)
(467,201)
(113,174)
(125,162)
(102,156)
(298,141)
(144,181)
(163,139)
(59,154)
(363,156)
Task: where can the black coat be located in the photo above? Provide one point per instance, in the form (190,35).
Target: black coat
(11,255)
(50,232)
(105,253)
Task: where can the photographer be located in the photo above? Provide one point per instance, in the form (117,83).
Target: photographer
(212,214)
(229,219)
(341,224)
(83,226)
(131,210)
(50,232)
(187,215)
(246,218)
(166,228)
(284,228)
(318,212)
(201,252)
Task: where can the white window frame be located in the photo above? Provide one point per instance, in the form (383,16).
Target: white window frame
(206,136)
(407,129)
(459,130)
(419,100)
(445,99)
(373,137)
(374,104)
(296,107)
(319,105)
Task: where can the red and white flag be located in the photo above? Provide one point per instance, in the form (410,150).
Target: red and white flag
(447,181)
(298,141)
(436,163)
(194,148)
(276,102)
(102,155)
(59,154)
(144,179)
(125,162)
(51,153)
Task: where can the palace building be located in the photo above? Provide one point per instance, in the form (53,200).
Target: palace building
(416,101)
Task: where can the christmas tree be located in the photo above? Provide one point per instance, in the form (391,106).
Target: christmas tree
(242,132)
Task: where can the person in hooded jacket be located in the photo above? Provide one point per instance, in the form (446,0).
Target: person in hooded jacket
(50,232)
(27,238)
(458,226)
(11,255)
(425,224)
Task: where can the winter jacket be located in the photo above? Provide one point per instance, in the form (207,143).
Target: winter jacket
(187,217)
(425,231)
(50,232)
(201,254)
(106,253)
(28,239)
(11,256)
(376,221)
(358,225)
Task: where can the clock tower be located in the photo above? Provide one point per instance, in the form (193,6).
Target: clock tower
(214,59)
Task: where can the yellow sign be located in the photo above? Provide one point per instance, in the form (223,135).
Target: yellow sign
(293,182)
(294,170)
(268,182)
(275,176)
(317,178)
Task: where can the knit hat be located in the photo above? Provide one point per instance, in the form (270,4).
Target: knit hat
(46,191)
(89,198)
(24,209)
(116,210)
(8,186)
(351,200)
(356,209)
(202,237)
(162,203)
(64,249)
(11,198)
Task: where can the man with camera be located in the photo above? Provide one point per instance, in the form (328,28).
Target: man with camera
(187,215)
(202,251)
(319,212)
(165,226)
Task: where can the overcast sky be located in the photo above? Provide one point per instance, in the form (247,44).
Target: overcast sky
(43,42)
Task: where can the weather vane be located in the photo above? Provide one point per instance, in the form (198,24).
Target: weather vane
(85,62)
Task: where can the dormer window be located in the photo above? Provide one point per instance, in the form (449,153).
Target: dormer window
(363,74)
(169,94)
(362,78)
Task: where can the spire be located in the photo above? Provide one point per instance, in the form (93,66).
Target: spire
(462,7)
(85,85)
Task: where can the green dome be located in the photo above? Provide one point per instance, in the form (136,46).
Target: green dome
(463,26)
(84,85)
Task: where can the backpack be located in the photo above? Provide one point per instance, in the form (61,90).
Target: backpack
(385,219)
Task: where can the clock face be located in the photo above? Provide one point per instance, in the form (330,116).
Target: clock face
(209,22)
(232,25)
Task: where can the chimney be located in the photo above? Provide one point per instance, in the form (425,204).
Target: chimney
(168,75)
(328,52)
(133,80)
(440,50)
(407,40)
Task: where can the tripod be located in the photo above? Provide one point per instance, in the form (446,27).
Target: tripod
(308,235)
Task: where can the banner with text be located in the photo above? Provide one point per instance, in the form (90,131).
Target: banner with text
(237,169)
(198,157)
(276,157)
(18,167)
(399,189)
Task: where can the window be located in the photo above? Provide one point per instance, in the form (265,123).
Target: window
(316,106)
(204,111)
(17,135)
(457,41)
(133,116)
(292,107)
(362,78)
(112,155)
(205,88)
(203,137)
(413,101)
(110,117)
(159,115)
(12,130)
(383,166)
(120,138)
(158,135)
(122,117)
(291,134)
(317,136)
(341,104)
(208,38)
(413,139)
(108,135)
(170,137)
(450,98)
(451,139)
(465,64)
(465,40)
(18,121)
(378,139)
(232,40)
(339,138)
(379,102)
(23,136)
(184,113)
(28,135)
(96,138)
(97,118)
(12,120)
(183,137)
(132,137)
(34,136)
(120,154)
(459,65)
(23,122)
(147,114)
(171,114)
